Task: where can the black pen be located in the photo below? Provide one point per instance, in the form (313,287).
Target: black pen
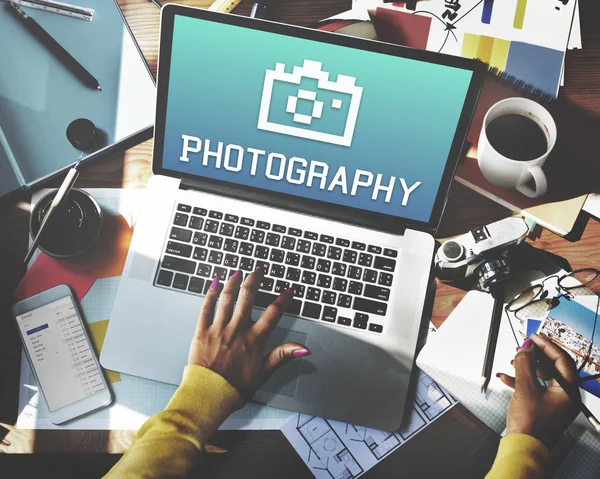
(490,350)
(51,44)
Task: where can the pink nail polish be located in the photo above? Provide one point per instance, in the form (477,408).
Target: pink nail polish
(289,291)
(215,284)
(258,270)
(498,375)
(301,353)
(236,274)
(528,342)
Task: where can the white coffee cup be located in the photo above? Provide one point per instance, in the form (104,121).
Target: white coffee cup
(505,172)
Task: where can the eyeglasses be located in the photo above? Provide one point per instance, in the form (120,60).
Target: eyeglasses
(535,302)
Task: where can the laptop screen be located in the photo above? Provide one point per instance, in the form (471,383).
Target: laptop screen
(315,120)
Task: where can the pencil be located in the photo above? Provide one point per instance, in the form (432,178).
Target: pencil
(59,52)
(490,350)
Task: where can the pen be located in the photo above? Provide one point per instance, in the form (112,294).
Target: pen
(61,54)
(490,350)
(61,194)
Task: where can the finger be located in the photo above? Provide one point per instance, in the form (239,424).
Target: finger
(542,370)
(562,362)
(208,306)
(227,300)
(246,297)
(284,354)
(526,379)
(272,314)
(506,379)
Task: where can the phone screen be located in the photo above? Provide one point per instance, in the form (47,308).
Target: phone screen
(60,353)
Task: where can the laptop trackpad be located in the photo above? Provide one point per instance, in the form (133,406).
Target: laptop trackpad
(285,379)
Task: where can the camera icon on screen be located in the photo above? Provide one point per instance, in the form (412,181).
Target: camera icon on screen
(332,109)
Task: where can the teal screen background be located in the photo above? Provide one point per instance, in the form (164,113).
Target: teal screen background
(405,127)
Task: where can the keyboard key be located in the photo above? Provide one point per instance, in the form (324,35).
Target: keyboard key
(178,264)
(323,266)
(374,249)
(292,259)
(392,253)
(295,307)
(181,281)
(200,211)
(279,229)
(329,297)
(211,226)
(292,274)
(354,272)
(226,229)
(180,234)
(179,249)
(359,246)
(349,256)
(272,239)
(295,232)
(196,222)
(303,246)
(319,249)
(310,235)
(324,281)
(340,284)
(308,277)
(247,222)
(220,273)
(339,269)
(264,266)
(267,284)
(200,238)
(277,255)
(326,239)
(215,214)
(263,225)
(342,242)
(344,301)
(377,292)
(200,254)
(164,278)
(277,270)
(288,243)
(313,294)
(355,288)
(311,310)
(376,328)
(329,314)
(215,257)
(281,286)
(215,242)
(344,321)
(231,261)
(242,232)
(196,285)
(370,306)
(365,259)
(334,253)
(207,286)
(298,290)
(184,208)
(370,275)
(231,245)
(246,248)
(232,218)
(360,321)
(308,262)
(180,219)
(257,236)
(261,252)
(246,264)
(204,270)
(385,264)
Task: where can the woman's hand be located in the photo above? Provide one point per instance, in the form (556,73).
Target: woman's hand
(231,344)
(541,412)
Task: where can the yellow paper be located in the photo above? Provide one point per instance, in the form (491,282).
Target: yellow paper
(97,333)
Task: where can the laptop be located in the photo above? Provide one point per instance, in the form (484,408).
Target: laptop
(323,159)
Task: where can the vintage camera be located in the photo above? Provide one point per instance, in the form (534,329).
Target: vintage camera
(307,104)
(482,252)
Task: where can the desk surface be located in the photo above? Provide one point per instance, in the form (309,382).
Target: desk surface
(457,438)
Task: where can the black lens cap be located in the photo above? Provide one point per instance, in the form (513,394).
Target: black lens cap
(82,134)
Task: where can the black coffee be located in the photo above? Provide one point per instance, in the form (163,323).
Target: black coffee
(517,137)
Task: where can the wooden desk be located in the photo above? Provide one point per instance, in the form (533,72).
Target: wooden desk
(457,438)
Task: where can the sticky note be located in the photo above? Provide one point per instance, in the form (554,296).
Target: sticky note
(97,332)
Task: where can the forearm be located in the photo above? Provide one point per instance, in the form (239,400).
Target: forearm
(169,443)
(519,457)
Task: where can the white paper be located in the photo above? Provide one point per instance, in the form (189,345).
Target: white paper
(592,204)
(333,449)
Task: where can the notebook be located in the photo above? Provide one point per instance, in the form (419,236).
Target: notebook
(40,97)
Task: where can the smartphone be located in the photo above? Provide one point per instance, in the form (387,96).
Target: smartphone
(61,355)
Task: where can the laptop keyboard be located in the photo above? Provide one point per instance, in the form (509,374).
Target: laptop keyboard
(335,280)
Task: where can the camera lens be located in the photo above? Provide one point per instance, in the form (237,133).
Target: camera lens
(492,271)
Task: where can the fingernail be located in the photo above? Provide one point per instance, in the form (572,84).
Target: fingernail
(498,375)
(257,270)
(512,361)
(289,291)
(236,274)
(528,342)
(215,284)
(300,353)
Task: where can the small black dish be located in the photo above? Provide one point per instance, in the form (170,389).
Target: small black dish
(72,229)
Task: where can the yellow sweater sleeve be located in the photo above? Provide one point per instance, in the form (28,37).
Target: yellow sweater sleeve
(519,457)
(169,443)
